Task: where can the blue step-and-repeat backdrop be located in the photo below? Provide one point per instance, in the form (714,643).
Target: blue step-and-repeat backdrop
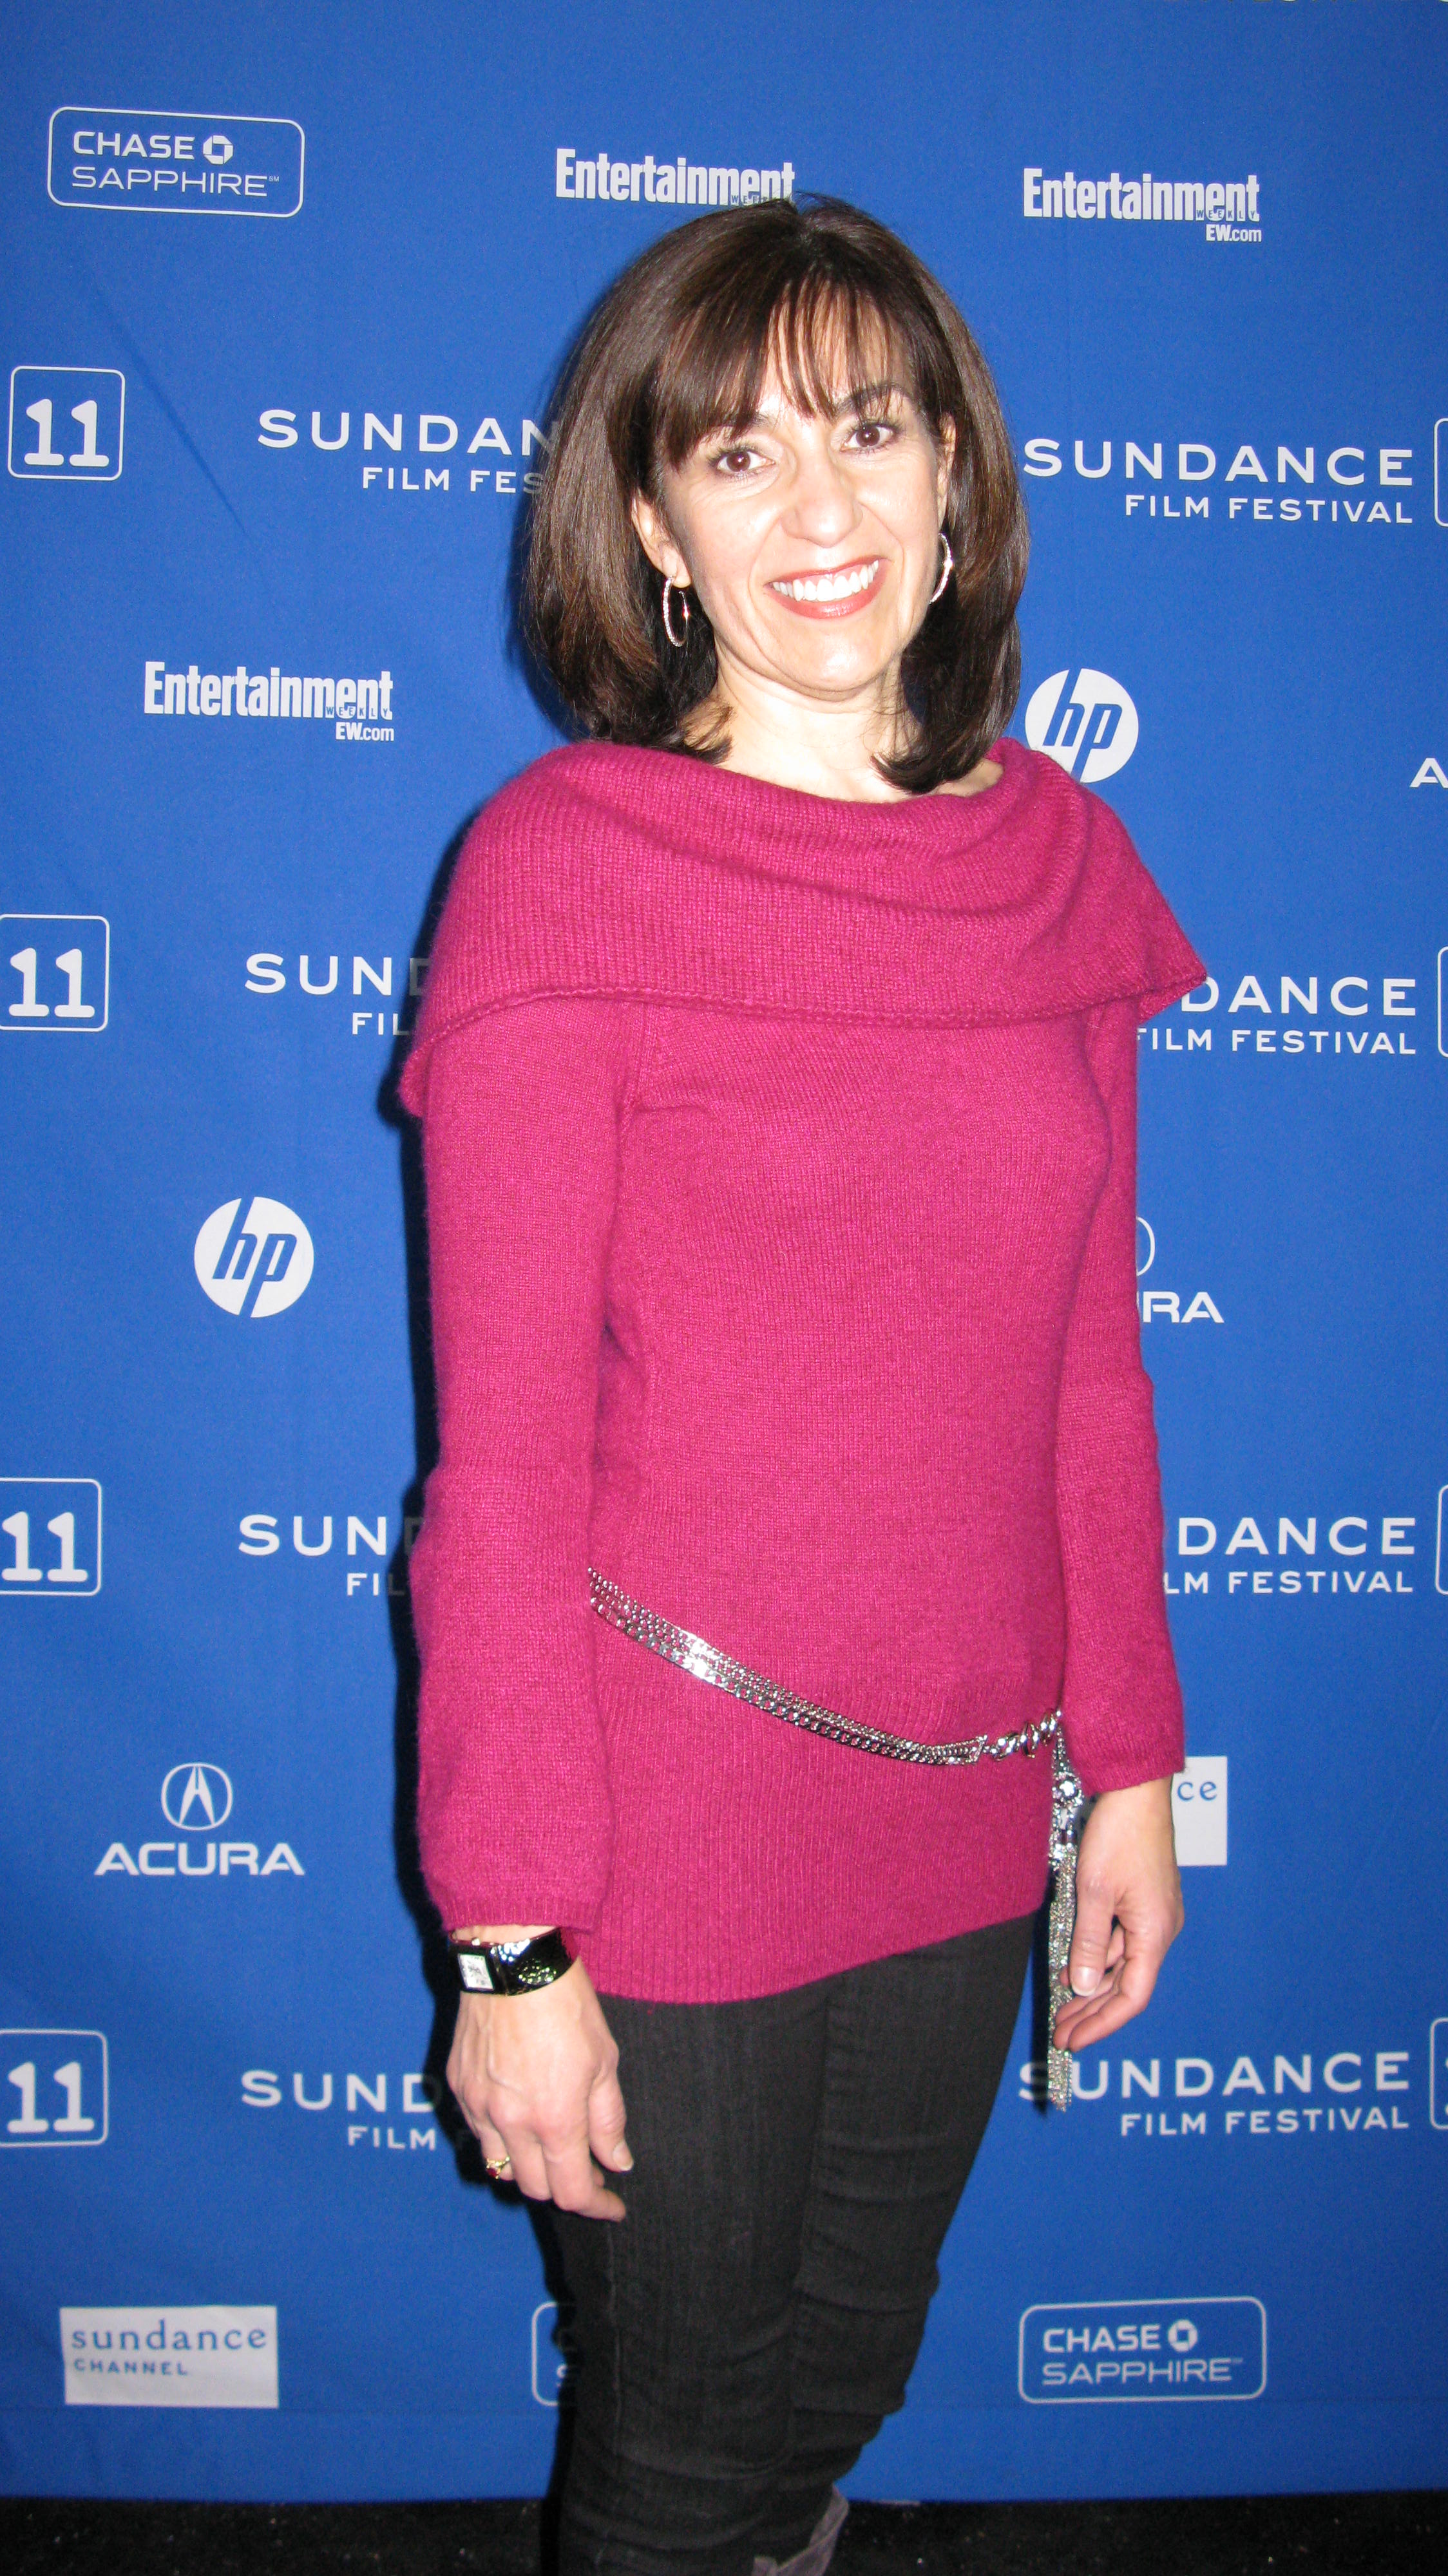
(288,286)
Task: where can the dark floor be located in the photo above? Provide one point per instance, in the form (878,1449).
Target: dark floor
(1237,2536)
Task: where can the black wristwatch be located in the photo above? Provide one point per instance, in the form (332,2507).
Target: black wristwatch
(512,1967)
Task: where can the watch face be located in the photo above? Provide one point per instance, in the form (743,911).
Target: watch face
(473,1971)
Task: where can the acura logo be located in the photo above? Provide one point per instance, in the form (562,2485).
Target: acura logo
(195,1796)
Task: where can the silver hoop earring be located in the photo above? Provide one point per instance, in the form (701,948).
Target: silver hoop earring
(946,569)
(678,641)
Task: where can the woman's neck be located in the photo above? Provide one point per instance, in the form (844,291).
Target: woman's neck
(820,747)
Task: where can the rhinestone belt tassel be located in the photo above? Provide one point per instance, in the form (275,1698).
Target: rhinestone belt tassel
(710,1664)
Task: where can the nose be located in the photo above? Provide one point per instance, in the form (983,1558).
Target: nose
(822,503)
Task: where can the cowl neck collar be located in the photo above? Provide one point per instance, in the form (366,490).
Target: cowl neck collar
(608,870)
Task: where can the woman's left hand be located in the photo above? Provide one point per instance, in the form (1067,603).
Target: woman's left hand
(1128,1912)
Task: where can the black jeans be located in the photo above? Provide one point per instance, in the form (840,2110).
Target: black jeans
(746,2328)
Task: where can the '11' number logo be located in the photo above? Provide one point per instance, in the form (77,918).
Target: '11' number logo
(43,403)
(62,964)
(74,1562)
(62,2085)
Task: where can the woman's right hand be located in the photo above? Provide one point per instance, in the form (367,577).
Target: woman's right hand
(536,2079)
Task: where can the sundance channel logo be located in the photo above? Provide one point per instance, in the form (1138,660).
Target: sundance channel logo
(157,161)
(169,2356)
(1135,2352)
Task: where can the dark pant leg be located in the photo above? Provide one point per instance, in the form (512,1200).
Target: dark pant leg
(915,2052)
(684,2310)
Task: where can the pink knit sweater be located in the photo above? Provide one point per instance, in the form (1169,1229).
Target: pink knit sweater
(781,1183)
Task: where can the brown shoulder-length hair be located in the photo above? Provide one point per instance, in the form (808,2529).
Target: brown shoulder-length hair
(678,349)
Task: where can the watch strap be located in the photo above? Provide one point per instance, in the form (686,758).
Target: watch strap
(512,1967)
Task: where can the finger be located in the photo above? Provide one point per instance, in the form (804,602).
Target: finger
(1121,1998)
(494,2146)
(606,2118)
(530,2171)
(1074,2012)
(1092,1938)
(575,2183)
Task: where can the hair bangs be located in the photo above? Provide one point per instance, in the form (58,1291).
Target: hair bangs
(830,343)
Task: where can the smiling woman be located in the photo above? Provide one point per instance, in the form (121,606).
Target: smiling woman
(797,1483)
(805,358)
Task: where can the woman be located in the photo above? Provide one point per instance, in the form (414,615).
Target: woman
(778,1074)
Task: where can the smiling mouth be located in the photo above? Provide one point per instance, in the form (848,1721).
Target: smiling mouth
(830,592)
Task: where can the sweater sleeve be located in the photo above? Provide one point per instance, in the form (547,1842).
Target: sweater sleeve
(524,1109)
(1121,1700)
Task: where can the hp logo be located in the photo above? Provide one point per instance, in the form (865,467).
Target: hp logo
(254,1257)
(1084,721)
(195,1795)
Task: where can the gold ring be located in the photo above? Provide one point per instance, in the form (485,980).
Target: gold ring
(497,2166)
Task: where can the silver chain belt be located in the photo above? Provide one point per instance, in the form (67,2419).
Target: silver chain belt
(710,1664)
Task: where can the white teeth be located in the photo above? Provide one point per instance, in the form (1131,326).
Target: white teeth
(831,585)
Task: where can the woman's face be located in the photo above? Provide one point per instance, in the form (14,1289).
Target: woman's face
(813,541)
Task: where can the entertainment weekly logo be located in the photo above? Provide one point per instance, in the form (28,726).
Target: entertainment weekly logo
(1229,210)
(358,710)
(595,178)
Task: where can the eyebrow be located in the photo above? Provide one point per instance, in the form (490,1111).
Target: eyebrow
(859,398)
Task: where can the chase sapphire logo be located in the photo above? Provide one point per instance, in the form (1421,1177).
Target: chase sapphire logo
(156,161)
(1105,2352)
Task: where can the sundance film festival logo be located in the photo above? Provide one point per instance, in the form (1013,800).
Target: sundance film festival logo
(1348,471)
(1084,721)
(156,161)
(413,2097)
(253,1258)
